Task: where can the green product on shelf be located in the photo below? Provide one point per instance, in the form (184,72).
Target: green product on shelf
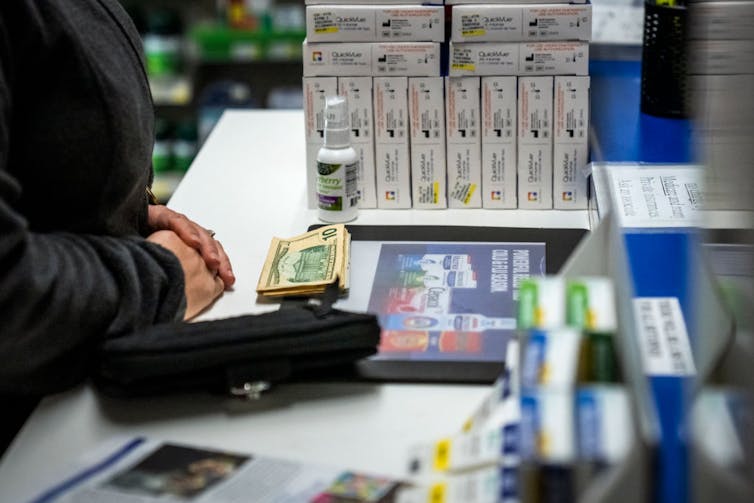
(590,303)
(162,153)
(578,305)
(163,43)
(541,303)
(218,42)
(284,46)
(527,302)
(184,146)
(598,361)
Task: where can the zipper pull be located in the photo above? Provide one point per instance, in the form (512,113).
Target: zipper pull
(151,197)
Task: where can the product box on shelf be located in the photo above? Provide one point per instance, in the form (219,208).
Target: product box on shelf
(535,105)
(519,58)
(426,111)
(557,22)
(358,92)
(489,484)
(391,159)
(486,23)
(515,22)
(463,142)
(483,58)
(570,142)
(554,58)
(499,142)
(373,23)
(352,59)
(547,413)
(364,59)
(315,89)
(410,59)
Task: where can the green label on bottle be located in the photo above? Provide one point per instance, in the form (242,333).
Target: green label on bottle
(326,169)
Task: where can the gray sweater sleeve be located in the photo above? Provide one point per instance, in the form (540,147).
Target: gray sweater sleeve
(62,292)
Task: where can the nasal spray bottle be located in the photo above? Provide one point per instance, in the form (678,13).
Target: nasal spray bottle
(337,166)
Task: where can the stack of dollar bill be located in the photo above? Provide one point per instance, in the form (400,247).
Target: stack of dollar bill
(307,264)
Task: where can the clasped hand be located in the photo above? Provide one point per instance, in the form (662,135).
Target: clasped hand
(206,266)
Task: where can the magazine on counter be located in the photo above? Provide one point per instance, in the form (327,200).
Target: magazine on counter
(142,470)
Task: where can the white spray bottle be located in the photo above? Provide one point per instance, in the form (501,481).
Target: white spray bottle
(337,166)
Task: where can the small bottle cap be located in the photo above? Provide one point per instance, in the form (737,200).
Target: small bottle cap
(336,122)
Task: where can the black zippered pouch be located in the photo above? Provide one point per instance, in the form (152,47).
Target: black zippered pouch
(241,356)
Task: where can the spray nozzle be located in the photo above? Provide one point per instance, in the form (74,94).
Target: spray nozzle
(336,121)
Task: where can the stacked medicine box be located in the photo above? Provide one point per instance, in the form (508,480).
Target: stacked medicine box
(528,62)
(385,58)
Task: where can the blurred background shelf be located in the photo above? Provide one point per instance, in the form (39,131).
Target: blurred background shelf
(206,56)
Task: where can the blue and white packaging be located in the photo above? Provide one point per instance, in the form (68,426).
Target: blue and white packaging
(603,424)
(546,431)
(722,426)
(495,443)
(550,358)
(505,388)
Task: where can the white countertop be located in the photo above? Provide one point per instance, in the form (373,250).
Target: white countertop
(248,184)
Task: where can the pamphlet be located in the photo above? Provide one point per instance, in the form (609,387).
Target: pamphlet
(144,470)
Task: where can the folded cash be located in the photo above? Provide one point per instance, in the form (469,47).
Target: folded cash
(307,264)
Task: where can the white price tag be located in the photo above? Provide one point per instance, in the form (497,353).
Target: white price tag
(667,196)
(663,339)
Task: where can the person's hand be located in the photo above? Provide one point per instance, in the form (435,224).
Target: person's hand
(162,218)
(203,285)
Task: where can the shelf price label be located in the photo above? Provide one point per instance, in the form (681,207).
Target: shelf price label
(663,339)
